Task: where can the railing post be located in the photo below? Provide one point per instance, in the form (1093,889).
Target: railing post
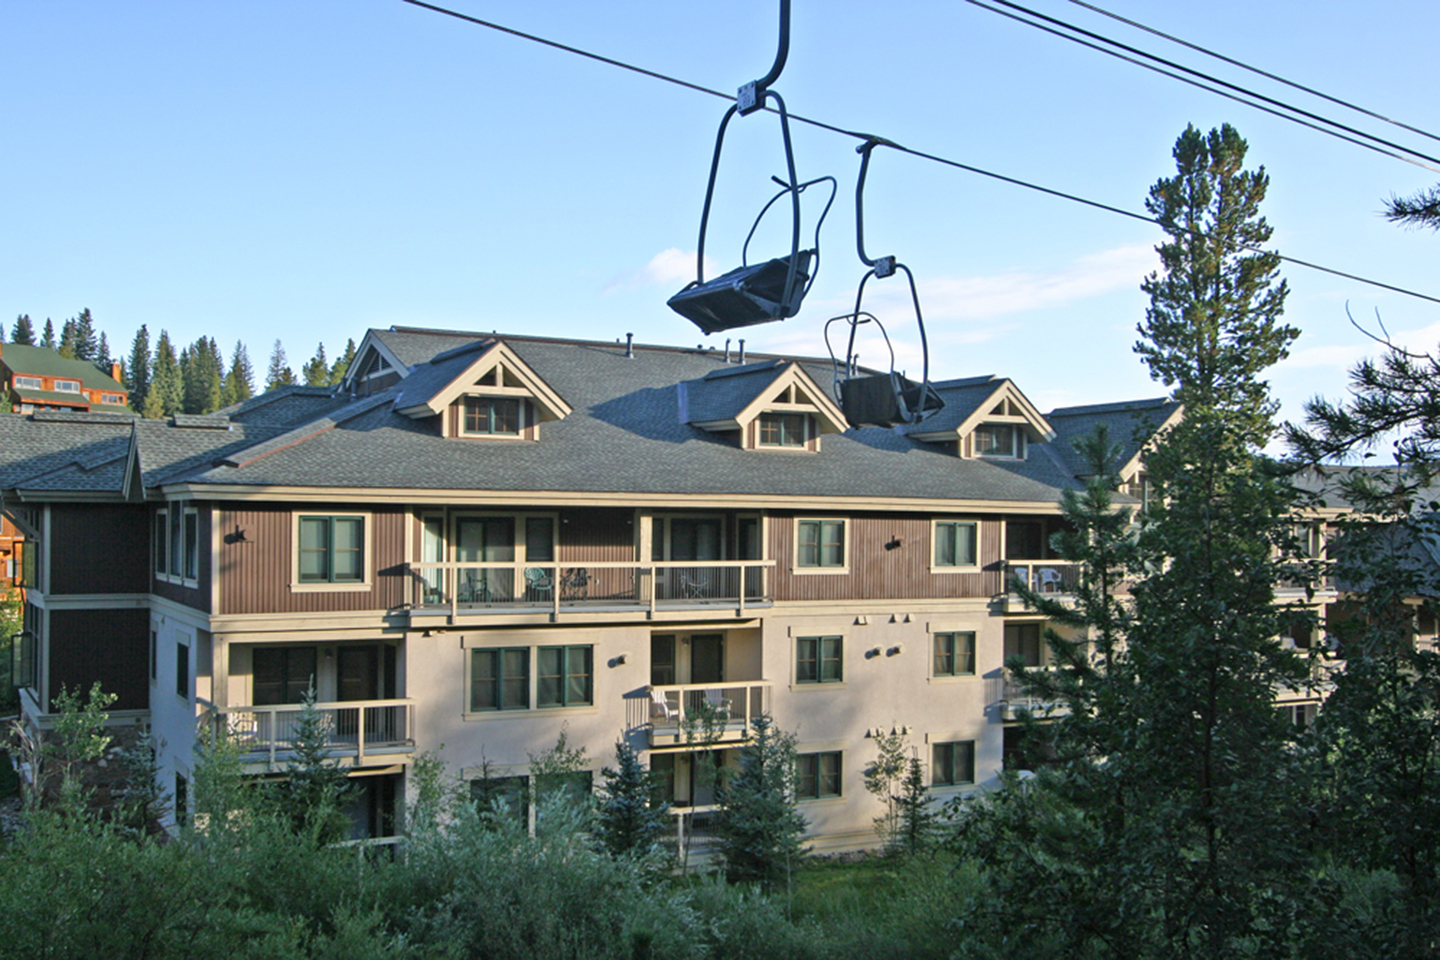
(743,570)
(452,586)
(273,738)
(650,583)
(555,589)
(359,735)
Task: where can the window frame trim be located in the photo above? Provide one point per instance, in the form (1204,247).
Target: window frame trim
(941,569)
(532,645)
(820,569)
(818,683)
(367,554)
(819,793)
(974,673)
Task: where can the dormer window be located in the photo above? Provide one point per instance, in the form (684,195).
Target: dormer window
(492,416)
(1005,440)
(28,383)
(784,430)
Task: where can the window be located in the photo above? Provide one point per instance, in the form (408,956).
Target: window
(67,386)
(564,676)
(687,538)
(818,660)
(503,796)
(817,775)
(113,398)
(192,545)
(999,440)
(177,541)
(162,541)
(953,763)
(821,543)
(1299,714)
(955,654)
(500,679)
(332,550)
(282,674)
(492,416)
(182,800)
(182,670)
(1022,640)
(955,543)
(783,429)
(30,383)
(154,653)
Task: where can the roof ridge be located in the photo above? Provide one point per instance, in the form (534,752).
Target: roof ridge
(296,435)
(1147,404)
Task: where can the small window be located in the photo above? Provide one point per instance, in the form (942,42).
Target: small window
(162,542)
(1023,640)
(955,654)
(817,775)
(67,386)
(819,660)
(821,543)
(182,800)
(282,674)
(783,429)
(154,654)
(955,543)
(564,676)
(182,670)
(114,399)
(492,416)
(998,440)
(500,679)
(953,764)
(507,796)
(177,541)
(332,550)
(192,545)
(28,383)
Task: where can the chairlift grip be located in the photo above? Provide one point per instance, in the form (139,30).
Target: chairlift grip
(883,266)
(751,96)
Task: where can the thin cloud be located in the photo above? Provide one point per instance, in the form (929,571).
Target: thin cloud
(672,267)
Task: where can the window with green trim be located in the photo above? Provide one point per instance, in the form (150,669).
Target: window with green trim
(821,543)
(817,775)
(955,543)
(955,654)
(332,550)
(782,429)
(819,660)
(500,679)
(492,416)
(953,763)
(564,676)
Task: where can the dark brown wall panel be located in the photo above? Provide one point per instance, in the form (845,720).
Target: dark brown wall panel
(593,536)
(112,646)
(889,560)
(255,571)
(99,548)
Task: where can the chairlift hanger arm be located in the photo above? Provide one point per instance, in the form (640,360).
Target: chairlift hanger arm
(884,266)
(751,97)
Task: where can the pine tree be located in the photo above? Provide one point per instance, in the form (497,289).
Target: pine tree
(103,360)
(67,340)
(202,376)
(342,364)
(630,818)
(83,336)
(760,829)
(47,339)
(311,795)
(240,380)
(317,371)
(23,332)
(138,369)
(279,373)
(167,391)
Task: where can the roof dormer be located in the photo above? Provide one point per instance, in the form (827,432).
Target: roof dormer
(772,405)
(481,391)
(987,418)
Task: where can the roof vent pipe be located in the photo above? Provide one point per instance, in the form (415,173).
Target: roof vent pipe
(742,351)
(727,349)
(630,346)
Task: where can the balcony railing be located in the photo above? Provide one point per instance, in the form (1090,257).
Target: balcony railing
(474,586)
(698,713)
(353,728)
(1013,699)
(1046,577)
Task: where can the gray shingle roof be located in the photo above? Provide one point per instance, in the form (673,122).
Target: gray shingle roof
(1128,425)
(722,394)
(962,398)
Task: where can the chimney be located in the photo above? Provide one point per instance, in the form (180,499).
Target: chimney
(742,351)
(115,372)
(727,349)
(630,346)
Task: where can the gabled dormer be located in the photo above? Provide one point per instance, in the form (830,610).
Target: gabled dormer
(773,405)
(986,418)
(481,391)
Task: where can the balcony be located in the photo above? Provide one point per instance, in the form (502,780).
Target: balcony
(1056,579)
(357,730)
(456,589)
(1014,701)
(697,713)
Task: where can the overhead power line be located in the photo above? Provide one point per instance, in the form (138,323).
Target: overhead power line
(1255,70)
(934,158)
(1275,107)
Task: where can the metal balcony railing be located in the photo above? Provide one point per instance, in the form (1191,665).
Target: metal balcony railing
(1057,577)
(696,713)
(353,728)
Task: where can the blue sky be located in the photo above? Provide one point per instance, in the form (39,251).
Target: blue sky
(304,171)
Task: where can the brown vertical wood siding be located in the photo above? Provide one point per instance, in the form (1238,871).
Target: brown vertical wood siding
(111,646)
(94,548)
(255,573)
(198,596)
(600,535)
(875,573)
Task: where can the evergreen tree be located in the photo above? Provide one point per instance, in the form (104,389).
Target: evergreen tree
(202,372)
(138,369)
(317,371)
(310,798)
(1420,210)
(67,340)
(103,360)
(240,380)
(47,339)
(342,364)
(630,818)
(279,373)
(83,336)
(759,828)
(167,392)
(23,332)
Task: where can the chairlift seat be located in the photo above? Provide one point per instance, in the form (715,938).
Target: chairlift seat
(745,296)
(876,401)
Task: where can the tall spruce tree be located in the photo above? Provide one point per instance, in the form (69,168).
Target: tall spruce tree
(138,369)
(83,336)
(47,338)
(630,818)
(202,374)
(103,359)
(316,373)
(240,380)
(342,363)
(278,374)
(66,347)
(167,391)
(23,332)
(759,827)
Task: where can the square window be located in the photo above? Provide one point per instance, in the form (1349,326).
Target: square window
(331,550)
(953,763)
(782,429)
(955,654)
(1024,640)
(492,416)
(282,674)
(500,679)
(819,660)
(955,543)
(505,796)
(817,775)
(821,543)
(997,440)
(564,676)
